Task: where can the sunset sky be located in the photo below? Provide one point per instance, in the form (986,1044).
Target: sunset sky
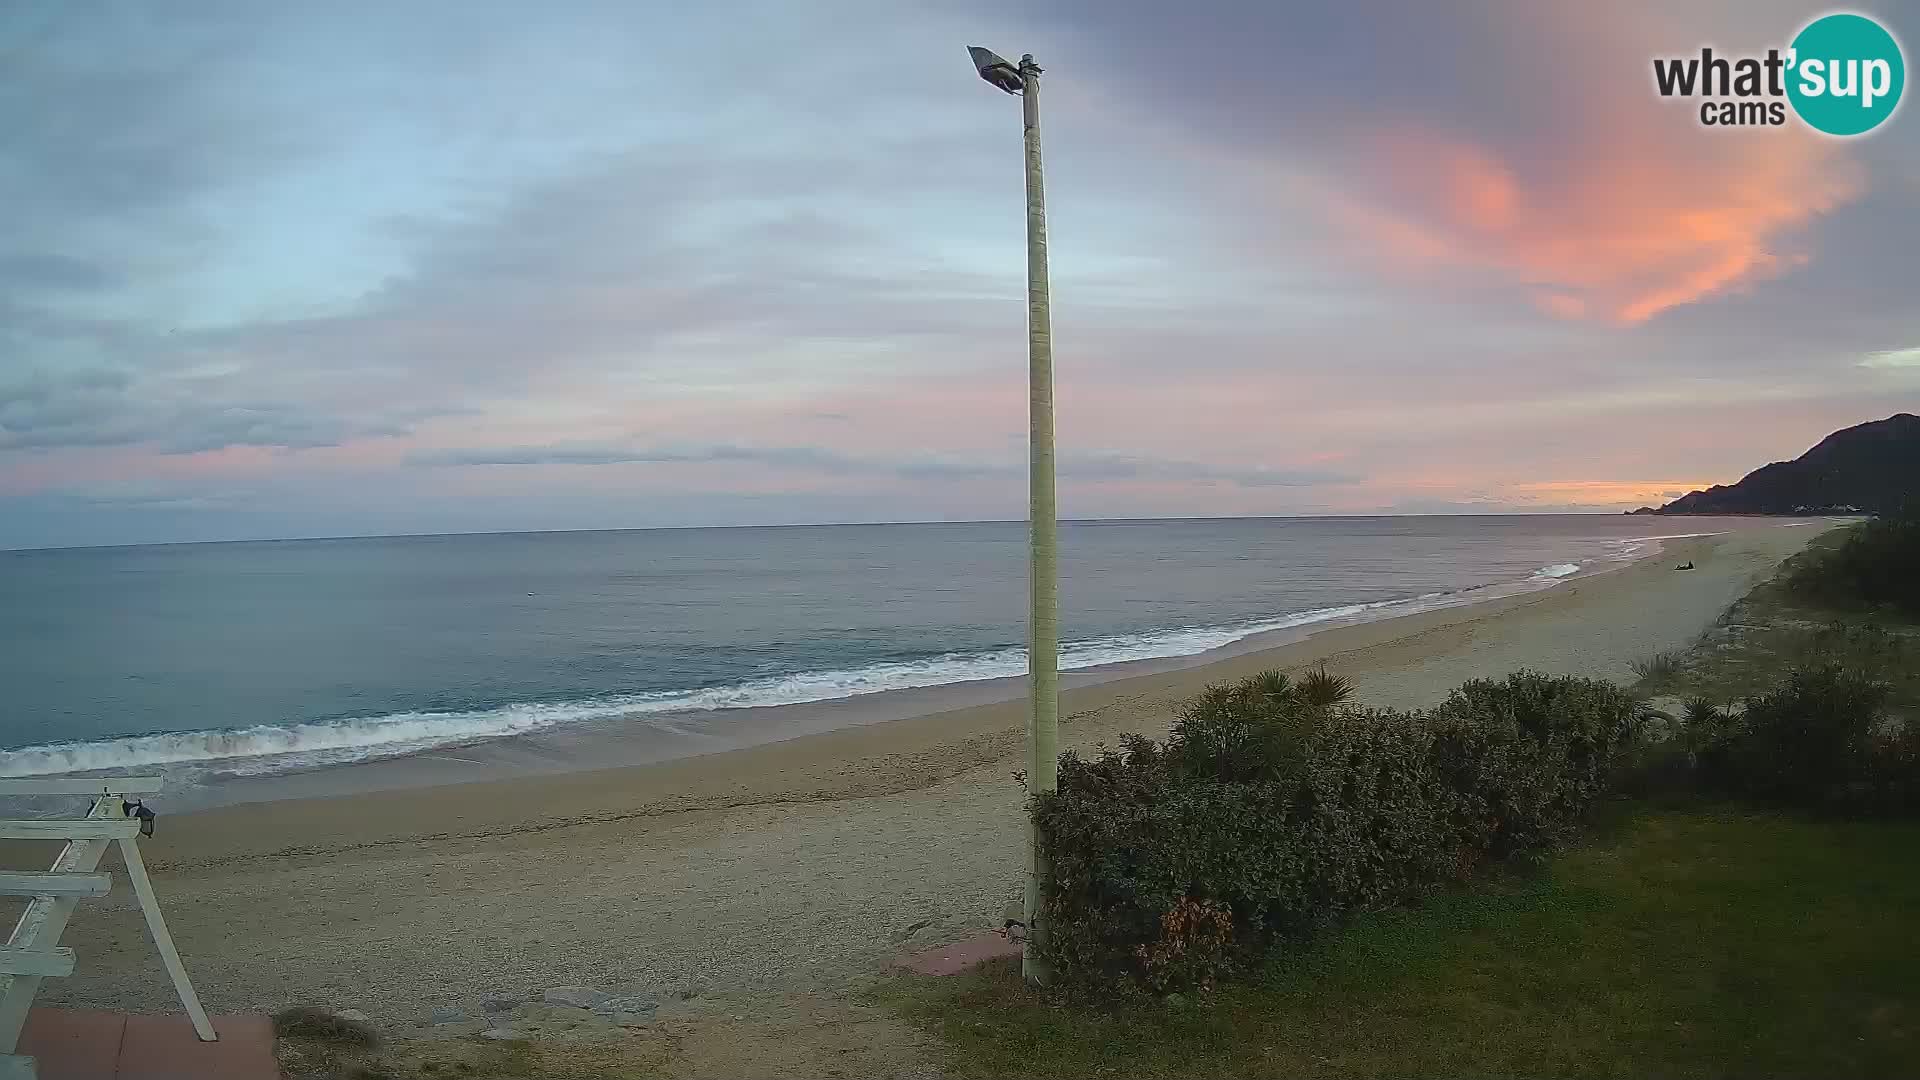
(329,269)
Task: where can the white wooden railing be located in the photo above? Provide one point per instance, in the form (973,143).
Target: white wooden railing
(33,952)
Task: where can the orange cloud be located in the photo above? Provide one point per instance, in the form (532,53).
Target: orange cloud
(1621,225)
(1603,492)
(1561,304)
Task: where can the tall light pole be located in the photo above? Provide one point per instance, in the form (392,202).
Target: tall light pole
(1043,625)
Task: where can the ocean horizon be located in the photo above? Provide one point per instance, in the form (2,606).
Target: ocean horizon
(1021,522)
(242,658)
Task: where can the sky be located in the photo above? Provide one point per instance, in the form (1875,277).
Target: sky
(273,270)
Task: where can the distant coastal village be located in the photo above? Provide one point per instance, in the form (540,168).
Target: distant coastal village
(1798,511)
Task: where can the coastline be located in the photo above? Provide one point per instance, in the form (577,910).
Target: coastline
(217,767)
(881,743)
(778,868)
(661,737)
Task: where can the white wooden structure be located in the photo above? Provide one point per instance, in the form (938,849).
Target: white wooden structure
(33,952)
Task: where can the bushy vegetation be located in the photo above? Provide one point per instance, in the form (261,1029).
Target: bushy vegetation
(1705,941)
(1773,630)
(1659,670)
(1806,694)
(317,1022)
(1863,648)
(1710,935)
(1274,808)
(1823,739)
(1875,568)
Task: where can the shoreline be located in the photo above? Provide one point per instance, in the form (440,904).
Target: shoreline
(781,868)
(855,747)
(661,737)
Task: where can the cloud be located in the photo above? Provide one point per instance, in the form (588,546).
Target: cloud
(1893,358)
(1599,492)
(593,454)
(1500,148)
(1122,466)
(138,496)
(1391,251)
(104,407)
(55,272)
(1093,467)
(120,124)
(202,205)
(1625,230)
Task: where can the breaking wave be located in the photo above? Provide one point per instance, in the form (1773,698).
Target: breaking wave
(274,748)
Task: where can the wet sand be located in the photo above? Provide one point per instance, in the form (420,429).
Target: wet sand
(662,737)
(786,866)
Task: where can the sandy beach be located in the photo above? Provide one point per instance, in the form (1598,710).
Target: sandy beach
(780,869)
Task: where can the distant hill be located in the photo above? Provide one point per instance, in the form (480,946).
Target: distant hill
(1872,467)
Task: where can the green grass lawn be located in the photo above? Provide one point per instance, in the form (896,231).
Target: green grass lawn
(1679,942)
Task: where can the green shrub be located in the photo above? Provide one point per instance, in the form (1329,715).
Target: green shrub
(1876,568)
(1870,650)
(1253,729)
(1535,785)
(1893,773)
(1273,811)
(1823,739)
(1706,734)
(1658,670)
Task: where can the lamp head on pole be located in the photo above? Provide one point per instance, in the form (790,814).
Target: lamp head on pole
(996,70)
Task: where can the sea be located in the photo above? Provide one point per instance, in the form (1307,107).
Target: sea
(245,659)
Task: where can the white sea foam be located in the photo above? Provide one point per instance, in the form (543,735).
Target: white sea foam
(1627,550)
(273,748)
(1673,536)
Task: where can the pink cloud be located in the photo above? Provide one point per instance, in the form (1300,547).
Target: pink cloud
(1622,228)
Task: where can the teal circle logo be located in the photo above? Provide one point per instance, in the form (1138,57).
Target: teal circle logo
(1846,74)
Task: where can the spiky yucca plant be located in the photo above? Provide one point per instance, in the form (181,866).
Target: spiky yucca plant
(1253,729)
(1321,689)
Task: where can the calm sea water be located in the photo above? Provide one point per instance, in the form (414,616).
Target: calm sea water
(283,654)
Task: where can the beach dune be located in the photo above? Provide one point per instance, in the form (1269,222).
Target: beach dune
(778,868)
